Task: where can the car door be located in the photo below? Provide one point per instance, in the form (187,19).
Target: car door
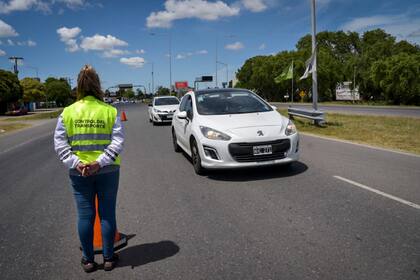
(177,122)
(184,129)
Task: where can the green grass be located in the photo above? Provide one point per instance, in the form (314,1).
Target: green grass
(38,116)
(7,127)
(398,133)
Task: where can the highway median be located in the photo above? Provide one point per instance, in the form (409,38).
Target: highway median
(391,132)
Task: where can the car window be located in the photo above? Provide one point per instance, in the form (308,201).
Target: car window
(188,107)
(183,103)
(226,102)
(166,101)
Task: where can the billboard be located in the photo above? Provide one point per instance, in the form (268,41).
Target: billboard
(179,85)
(343,92)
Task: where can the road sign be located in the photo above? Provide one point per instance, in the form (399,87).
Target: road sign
(179,85)
(302,94)
(125,86)
(204,79)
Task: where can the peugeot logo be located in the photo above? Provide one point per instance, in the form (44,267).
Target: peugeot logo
(260,133)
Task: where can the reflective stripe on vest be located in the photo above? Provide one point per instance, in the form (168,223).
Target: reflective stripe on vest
(89,124)
(77,137)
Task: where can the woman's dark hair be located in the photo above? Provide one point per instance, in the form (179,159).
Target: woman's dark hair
(88,83)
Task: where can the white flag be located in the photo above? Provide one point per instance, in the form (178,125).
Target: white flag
(310,67)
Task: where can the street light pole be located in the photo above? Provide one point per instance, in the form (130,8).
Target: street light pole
(217,39)
(314,67)
(153,79)
(170,56)
(170,62)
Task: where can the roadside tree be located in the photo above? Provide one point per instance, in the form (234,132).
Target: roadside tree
(10,89)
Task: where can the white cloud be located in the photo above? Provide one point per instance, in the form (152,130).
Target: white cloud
(100,42)
(140,51)
(181,56)
(31,43)
(202,52)
(28,43)
(401,26)
(235,46)
(136,61)
(40,5)
(6,30)
(181,9)
(2,53)
(254,5)
(68,35)
(115,53)
(262,47)
(10,42)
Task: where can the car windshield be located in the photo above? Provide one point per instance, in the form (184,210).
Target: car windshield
(227,103)
(166,101)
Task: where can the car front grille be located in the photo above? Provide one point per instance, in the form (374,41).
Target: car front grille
(243,152)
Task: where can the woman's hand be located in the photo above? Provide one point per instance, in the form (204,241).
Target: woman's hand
(81,167)
(93,167)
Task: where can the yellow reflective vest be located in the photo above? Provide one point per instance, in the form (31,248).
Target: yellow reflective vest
(88,124)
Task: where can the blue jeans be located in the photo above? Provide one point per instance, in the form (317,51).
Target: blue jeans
(105,186)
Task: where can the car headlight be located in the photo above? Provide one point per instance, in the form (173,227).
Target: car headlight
(213,134)
(290,128)
(157,111)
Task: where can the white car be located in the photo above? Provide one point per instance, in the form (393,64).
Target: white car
(231,128)
(162,109)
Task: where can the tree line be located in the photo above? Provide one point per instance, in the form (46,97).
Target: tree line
(384,69)
(13,90)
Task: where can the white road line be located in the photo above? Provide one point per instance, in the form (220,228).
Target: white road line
(400,200)
(26,142)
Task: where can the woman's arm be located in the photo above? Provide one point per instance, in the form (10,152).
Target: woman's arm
(113,150)
(62,146)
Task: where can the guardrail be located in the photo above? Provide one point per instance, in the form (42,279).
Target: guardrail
(317,116)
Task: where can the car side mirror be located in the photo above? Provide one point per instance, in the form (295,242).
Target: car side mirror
(150,104)
(182,115)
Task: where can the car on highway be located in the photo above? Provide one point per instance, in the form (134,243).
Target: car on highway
(232,128)
(162,109)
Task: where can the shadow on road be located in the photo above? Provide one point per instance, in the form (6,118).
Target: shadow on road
(146,253)
(258,173)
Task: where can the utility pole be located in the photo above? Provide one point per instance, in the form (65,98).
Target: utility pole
(153,79)
(170,62)
(15,59)
(216,60)
(314,67)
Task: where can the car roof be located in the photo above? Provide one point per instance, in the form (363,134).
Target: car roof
(165,96)
(220,90)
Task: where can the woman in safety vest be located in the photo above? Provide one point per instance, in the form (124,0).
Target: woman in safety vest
(88,140)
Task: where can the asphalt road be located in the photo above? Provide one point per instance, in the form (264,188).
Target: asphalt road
(360,110)
(275,223)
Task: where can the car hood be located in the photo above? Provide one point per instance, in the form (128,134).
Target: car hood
(243,125)
(167,108)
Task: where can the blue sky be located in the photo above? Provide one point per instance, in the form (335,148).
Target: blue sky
(57,37)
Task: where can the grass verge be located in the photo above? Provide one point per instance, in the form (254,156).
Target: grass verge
(38,116)
(7,127)
(398,133)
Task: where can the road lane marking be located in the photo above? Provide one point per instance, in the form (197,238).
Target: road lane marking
(26,142)
(400,200)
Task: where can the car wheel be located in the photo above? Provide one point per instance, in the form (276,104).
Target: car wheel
(150,119)
(196,159)
(177,148)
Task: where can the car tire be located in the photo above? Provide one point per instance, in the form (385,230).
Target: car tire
(196,159)
(177,148)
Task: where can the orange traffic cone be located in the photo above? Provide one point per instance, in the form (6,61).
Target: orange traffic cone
(120,239)
(123,117)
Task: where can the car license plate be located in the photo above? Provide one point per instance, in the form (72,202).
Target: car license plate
(169,116)
(262,150)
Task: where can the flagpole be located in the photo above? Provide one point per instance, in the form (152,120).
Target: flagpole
(314,68)
(293,69)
